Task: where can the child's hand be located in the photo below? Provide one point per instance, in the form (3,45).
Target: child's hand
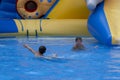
(96,47)
(25,45)
(54,55)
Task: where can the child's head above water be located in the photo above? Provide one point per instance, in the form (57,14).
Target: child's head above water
(42,49)
(78,44)
(78,39)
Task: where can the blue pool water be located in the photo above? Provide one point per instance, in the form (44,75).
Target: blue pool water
(97,62)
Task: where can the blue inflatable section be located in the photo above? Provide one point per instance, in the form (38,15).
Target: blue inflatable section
(8,9)
(10,27)
(98,25)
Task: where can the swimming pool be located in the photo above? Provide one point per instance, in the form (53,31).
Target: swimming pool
(97,62)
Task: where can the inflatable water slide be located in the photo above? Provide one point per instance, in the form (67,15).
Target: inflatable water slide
(61,18)
(104,22)
(43,18)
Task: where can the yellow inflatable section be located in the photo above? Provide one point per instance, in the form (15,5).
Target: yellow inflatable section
(70,9)
(67,18)
(52,27)
(112,12)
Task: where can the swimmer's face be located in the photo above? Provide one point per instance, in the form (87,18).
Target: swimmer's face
(78,41)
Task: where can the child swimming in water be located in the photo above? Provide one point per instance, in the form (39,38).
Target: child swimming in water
(78,45)
(40,52)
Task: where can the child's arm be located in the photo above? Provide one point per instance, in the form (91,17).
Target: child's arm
(54,55)
(30,49)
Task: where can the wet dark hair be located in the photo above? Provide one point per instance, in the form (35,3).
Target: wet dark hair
(42,49)
(78,38)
